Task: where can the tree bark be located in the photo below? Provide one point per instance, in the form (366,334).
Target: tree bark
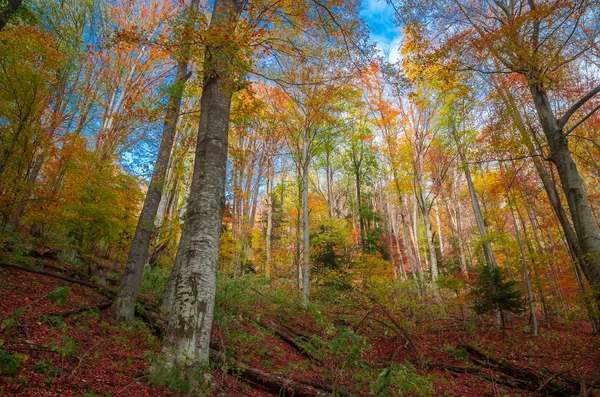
(487,247)
(191,315)
(123,307)
(525,269)
(305,224)
(584,223)
(269,193)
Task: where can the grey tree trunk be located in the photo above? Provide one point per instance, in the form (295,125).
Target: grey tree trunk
(439,230)
(584,223)
(305,224)
(425,209)
(433,266)
(329,176)
(269,192)
(191,315)
(123,307)
(361,221)
(487,247)
(530,299)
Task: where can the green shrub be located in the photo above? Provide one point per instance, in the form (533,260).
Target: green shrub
(401,380)
(60,295)
(10,362)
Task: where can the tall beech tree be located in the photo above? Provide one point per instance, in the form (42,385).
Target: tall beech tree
(191,315)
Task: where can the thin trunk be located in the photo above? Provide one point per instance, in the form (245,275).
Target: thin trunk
(305,225)
(123,307)
(329,178)
(487,247)
(525,269)
(361,221)
(532,255)
(439,231)
(433,266)
(269,216)
(415,244)
(191,315)
(26,194)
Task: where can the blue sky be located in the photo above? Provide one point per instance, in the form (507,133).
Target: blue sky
(379,16)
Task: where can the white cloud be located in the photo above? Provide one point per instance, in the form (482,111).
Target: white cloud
(379,15)
(376,6)
(389,48)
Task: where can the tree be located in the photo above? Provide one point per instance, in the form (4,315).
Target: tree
(548,47)
(191,315)
(492,293)
(123,305)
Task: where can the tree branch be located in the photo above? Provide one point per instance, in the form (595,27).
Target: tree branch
(569,113)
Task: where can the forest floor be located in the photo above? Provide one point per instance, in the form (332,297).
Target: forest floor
(47,349)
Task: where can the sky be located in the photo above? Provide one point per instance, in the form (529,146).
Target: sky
(379,16)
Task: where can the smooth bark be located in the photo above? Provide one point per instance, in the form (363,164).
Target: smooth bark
(584,223)
(191,315)
(123,308)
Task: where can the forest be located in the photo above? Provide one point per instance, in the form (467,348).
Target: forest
(299,198)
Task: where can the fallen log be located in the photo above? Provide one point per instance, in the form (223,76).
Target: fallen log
(551,385)
(68,313)
(288,336)
(285,386)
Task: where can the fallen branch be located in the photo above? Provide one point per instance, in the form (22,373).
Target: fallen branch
(68,313)
(275,383)
(101,290)
(529,380)
(104,291)
(288,336)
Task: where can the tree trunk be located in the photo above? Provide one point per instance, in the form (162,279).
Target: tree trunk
(588,234)
(329,177)
(439,231)
(269,216)
(525,269)
(425,211)
(361,221)
(26,194)
(487,247)
(305,225)
(123,307)
(191,315)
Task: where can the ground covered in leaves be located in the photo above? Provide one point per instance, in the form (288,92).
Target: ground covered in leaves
(360,340)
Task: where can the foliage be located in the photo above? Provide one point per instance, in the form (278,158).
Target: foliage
(10,362)
(329,242)
(401,380)
(492,293)
(342,351)
(60,295)
(66,347)
(179,379)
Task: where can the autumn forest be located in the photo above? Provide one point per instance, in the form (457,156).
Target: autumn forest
(262,198)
